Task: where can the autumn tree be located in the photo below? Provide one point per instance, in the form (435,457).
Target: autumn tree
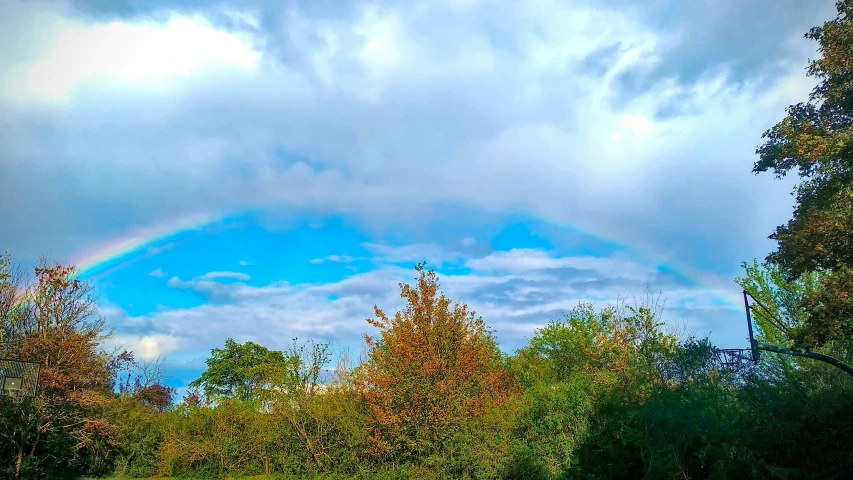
(53,321)
(433,367)
(816,140)
(146,383)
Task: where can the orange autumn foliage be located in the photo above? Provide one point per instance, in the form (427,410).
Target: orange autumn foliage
(433,367)
(54,322)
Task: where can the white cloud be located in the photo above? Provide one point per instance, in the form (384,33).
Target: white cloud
(248,18)
(333,259)
(431,253)
(209,287)
(147,347)
(526,260)
(244,263)
(639,125)
(384,40)
(515,291)
(131,52)
(229,275)
(523,155)
(158,273)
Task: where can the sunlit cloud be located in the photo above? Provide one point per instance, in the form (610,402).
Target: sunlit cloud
(132,52)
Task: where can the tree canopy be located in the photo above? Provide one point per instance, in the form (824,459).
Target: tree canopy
(433,366)
(243,370)
(816,140)
(52,319)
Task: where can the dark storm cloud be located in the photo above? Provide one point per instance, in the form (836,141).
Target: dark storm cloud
(699,38)
(749,39)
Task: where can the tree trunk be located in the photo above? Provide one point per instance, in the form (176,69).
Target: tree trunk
(18,461)
(35,444)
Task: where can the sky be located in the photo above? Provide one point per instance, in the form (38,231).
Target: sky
(267,170)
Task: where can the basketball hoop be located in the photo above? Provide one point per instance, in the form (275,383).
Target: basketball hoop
(18,379)
(755,310)
(734,360)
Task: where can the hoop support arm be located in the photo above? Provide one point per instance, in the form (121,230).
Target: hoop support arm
(813,355)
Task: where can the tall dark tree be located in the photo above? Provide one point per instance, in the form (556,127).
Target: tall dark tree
(816,140)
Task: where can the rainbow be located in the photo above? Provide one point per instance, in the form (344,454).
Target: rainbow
(144,242)
(135,245)
(139,243)
(726,291)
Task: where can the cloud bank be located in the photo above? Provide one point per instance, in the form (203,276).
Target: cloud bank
(601,115)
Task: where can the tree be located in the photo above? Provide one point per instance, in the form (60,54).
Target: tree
(571,364)
(816,139)
(148,385)
(13,306)
(433,367)
(244,371)
(54,321)
(783,299)
(768,284)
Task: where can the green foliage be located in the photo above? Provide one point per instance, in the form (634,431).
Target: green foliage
(602,394)
(798,427)
(815,139)
(140,437)
(784,298)
(244,371)
(571,365)
(206,442)
(676,432)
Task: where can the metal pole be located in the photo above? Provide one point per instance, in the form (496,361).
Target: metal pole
(813,355)
(755,353)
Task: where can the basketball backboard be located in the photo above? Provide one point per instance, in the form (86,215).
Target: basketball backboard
(17,378)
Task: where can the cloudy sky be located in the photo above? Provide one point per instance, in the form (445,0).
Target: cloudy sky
(271,169)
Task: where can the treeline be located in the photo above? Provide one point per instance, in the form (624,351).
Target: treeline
(601,393)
